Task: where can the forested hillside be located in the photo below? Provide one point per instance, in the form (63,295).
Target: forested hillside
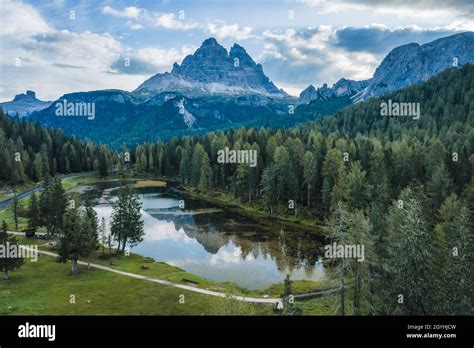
(29,152)
(400,186)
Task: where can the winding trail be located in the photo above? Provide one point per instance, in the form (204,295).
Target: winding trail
(274,301)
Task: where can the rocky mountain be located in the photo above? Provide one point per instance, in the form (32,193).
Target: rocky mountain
(24,104)
(414,63)
(403,66)
(211,70)
(341,88)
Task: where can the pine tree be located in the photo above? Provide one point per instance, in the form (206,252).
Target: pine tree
(34,213)
(338,229)
(57,207)
(309,174)
(103,165)
(411,249)
(460,264)
(91,226)
(75,242)
(15,205)
(269,189)
(6,242)
(439,186)
(103,233)
(126,225)
(287,297)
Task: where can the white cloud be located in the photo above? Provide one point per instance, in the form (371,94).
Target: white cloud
(157,19)
(128,12)
(434,10)
(51,59)
(21,19)
(295,59)
(229,31)
(151,60)
(168,21)
(134,26)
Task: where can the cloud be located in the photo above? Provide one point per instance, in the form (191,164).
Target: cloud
(156,19)
(49,57)
(134,26)
(168,21)
(128,12)
(95,51)
(461,6)
(379,39)
(458,13)
(21,20)
(310,56)
(229,31)
(147,61)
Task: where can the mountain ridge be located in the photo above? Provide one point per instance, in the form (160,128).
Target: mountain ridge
(211,69)
(405,65)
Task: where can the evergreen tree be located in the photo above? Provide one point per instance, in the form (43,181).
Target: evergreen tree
(309,174)
(103,233)
(15,205)
(75,241)
(126,225)
(7,242)
(287,297)
(34,213)
(411,250)
(269,188)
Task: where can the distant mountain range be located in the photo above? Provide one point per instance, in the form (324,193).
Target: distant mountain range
(343,87)
(215,89)
(24,104)
(403,66)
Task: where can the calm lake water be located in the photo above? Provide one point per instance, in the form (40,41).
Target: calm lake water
(215,244)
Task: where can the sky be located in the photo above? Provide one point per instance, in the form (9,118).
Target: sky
(61,46)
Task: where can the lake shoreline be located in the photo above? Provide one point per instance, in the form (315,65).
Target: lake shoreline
(175,187)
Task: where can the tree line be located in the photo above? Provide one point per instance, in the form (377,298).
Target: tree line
(29,152)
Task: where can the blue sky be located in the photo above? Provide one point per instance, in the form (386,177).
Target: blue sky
(61,46)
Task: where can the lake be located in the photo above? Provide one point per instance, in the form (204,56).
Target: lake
(212,243)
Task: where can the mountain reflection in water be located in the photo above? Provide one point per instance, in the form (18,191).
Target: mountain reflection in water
(215,244)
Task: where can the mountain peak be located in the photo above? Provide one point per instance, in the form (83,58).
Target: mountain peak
(24,103)
(25,96)
(210,42)
(213,70)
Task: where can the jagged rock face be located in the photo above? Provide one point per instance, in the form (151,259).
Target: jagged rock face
(403,66)
(211,69)
(343,87)
(414,63)
(24,104)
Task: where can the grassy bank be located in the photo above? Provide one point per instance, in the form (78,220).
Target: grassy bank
(97,292)
(45,288)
